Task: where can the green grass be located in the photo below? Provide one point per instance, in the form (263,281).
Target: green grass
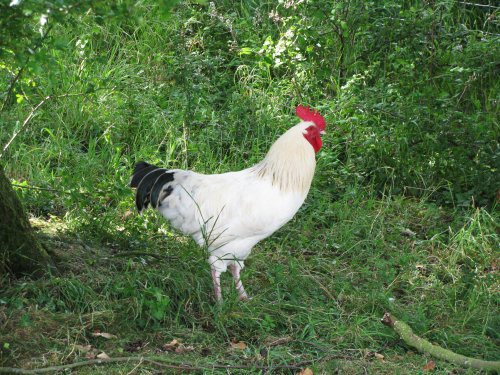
(325,284)
(358,248)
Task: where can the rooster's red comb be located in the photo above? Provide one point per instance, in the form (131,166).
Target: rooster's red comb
(306,114)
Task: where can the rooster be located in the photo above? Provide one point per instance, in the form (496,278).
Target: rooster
(229,213)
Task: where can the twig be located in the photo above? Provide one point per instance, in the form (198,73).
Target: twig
(32,113)
(137,254)
(88,195)
(280,341)
(478,5)
(35,47)
(36,187)
(160,362)
(13,370)
(297,90)
(135,368)
(12,84)
(406,333)
(30,116)
(21,69)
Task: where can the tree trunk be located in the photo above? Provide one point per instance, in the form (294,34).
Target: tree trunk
(20,251)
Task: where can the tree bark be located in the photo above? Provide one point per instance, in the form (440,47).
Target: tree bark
(20,251)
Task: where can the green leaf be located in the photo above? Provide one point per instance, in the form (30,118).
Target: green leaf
(246,51)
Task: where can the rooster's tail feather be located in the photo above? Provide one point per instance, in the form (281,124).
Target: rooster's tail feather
(151,184)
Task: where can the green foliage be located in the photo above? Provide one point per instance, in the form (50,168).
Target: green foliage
(401,216)
(409,89)
(29,47)
(324,285)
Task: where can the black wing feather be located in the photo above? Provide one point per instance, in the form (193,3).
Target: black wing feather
(150,181)
(141,169)
(143,193)
(158,192)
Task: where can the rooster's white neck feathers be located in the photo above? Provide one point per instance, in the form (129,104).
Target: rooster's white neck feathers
(290,162)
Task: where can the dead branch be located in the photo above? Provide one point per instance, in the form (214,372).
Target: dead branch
(160,362)
(406,333)
(13,370)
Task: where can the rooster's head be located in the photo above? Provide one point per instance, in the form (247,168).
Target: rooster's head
(314,131)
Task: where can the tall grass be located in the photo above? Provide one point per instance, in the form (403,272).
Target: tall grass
(185,93)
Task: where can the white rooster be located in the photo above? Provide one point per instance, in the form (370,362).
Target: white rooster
(229,213)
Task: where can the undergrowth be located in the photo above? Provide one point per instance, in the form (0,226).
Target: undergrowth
(323,283)
(401,216)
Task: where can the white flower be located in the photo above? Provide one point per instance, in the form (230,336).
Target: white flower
(43,19)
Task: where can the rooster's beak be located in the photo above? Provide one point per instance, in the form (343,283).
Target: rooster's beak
(322,132)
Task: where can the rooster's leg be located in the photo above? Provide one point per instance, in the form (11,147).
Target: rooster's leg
(216,280)
(235,271)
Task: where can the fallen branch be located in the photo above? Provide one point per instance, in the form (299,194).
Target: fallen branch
(13,370)
(406,333)
(160,362)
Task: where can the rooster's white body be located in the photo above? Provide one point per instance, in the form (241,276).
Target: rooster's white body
(229,213)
